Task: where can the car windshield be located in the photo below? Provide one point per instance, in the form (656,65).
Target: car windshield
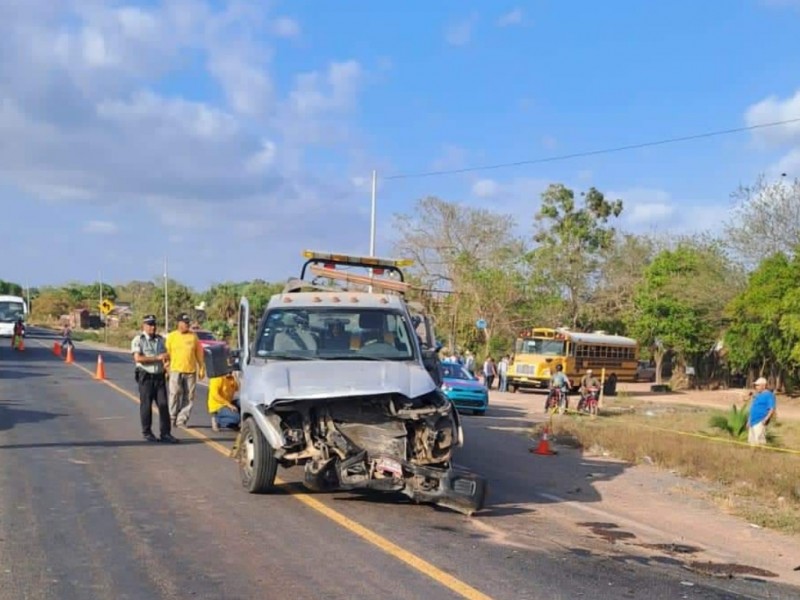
(327,333)
(451,371)
(543,346)
(204,335)
(11,311)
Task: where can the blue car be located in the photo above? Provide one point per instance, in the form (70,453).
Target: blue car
(463,389)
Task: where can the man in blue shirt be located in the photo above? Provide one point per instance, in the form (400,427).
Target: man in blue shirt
(762,407)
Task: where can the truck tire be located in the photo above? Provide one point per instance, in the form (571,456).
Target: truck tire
(257,462)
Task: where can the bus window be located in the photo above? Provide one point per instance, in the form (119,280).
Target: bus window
(540,346)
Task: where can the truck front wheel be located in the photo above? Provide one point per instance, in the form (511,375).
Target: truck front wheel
(257,463)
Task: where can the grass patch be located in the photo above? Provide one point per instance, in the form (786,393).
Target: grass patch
(761,486)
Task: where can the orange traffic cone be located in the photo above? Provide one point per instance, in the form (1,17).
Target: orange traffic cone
(57,349)
(21,344)
(100,373)
(544,444)
(70,359)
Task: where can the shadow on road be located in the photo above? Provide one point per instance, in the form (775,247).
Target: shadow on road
(499,446)
(96,444)
(11,415)
(20,374)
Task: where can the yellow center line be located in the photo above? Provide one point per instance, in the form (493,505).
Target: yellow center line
(409,558)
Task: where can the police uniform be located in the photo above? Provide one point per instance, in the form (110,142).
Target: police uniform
(151,379)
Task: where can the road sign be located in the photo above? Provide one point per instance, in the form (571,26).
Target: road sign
(480,323)
(106,306)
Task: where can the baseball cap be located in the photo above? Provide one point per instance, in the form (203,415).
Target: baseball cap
(761,381)
(185,318)
(149,320)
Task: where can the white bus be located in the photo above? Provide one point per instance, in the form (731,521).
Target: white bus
(11,309)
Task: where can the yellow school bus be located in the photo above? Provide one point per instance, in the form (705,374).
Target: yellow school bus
(538,350)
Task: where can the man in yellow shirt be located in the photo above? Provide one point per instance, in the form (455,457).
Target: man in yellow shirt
(224,410)
(186,365)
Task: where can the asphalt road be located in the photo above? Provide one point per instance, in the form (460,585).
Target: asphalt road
(89,510)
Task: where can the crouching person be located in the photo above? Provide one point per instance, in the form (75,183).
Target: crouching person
(222,407)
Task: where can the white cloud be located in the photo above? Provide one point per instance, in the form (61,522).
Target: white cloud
(460,33)
(485,188)
(247,86)
(286,27)
(788,164)
(775,109)
(93,126)
(513,17)
(772,110)
(519,197)
(101,227)
(650,212)
(654,210)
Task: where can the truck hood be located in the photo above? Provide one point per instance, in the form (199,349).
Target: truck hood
(312,380)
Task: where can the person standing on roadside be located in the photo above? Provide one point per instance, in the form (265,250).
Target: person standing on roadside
(186,365)
(150,356)
(489,372)
(762,408)
(502,372)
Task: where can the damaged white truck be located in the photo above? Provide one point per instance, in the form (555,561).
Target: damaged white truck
(342,379)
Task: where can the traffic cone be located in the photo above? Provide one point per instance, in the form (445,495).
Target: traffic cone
(21,344)
(100,373)
(57,349)
(70,359)
(544,444)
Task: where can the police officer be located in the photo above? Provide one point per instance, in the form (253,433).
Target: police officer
(151,358)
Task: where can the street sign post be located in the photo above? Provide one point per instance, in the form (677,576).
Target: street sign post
(106,306)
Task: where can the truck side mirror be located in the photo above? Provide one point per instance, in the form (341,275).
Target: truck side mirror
(430,360)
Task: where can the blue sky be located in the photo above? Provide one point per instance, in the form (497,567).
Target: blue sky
(231,135)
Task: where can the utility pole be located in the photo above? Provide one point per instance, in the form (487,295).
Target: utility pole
(372,221)
(103,319)
(166,297)
(372,217)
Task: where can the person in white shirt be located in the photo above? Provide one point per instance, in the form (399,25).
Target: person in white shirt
(502,371)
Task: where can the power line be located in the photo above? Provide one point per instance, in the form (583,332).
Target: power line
(559,157)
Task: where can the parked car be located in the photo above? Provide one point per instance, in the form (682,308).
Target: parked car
(645,371)
(208,339)
(464,390)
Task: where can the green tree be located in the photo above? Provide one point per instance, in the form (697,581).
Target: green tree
(222,301)
(10,288)
(493,291)
(571,241)
(467,255)
(765,219)
(51,304)
(680,303)
(181,300)
(258,292)
(621,271)
(763,335)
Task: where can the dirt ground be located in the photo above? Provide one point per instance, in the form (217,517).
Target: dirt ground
(653,504)
(788,408)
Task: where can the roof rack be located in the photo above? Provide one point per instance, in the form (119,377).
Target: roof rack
(391,285)
(377,265)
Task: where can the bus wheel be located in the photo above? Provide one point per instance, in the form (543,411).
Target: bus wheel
(512,389)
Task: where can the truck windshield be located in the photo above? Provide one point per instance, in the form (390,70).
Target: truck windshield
(336,334)
(11,311)
(542,346)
